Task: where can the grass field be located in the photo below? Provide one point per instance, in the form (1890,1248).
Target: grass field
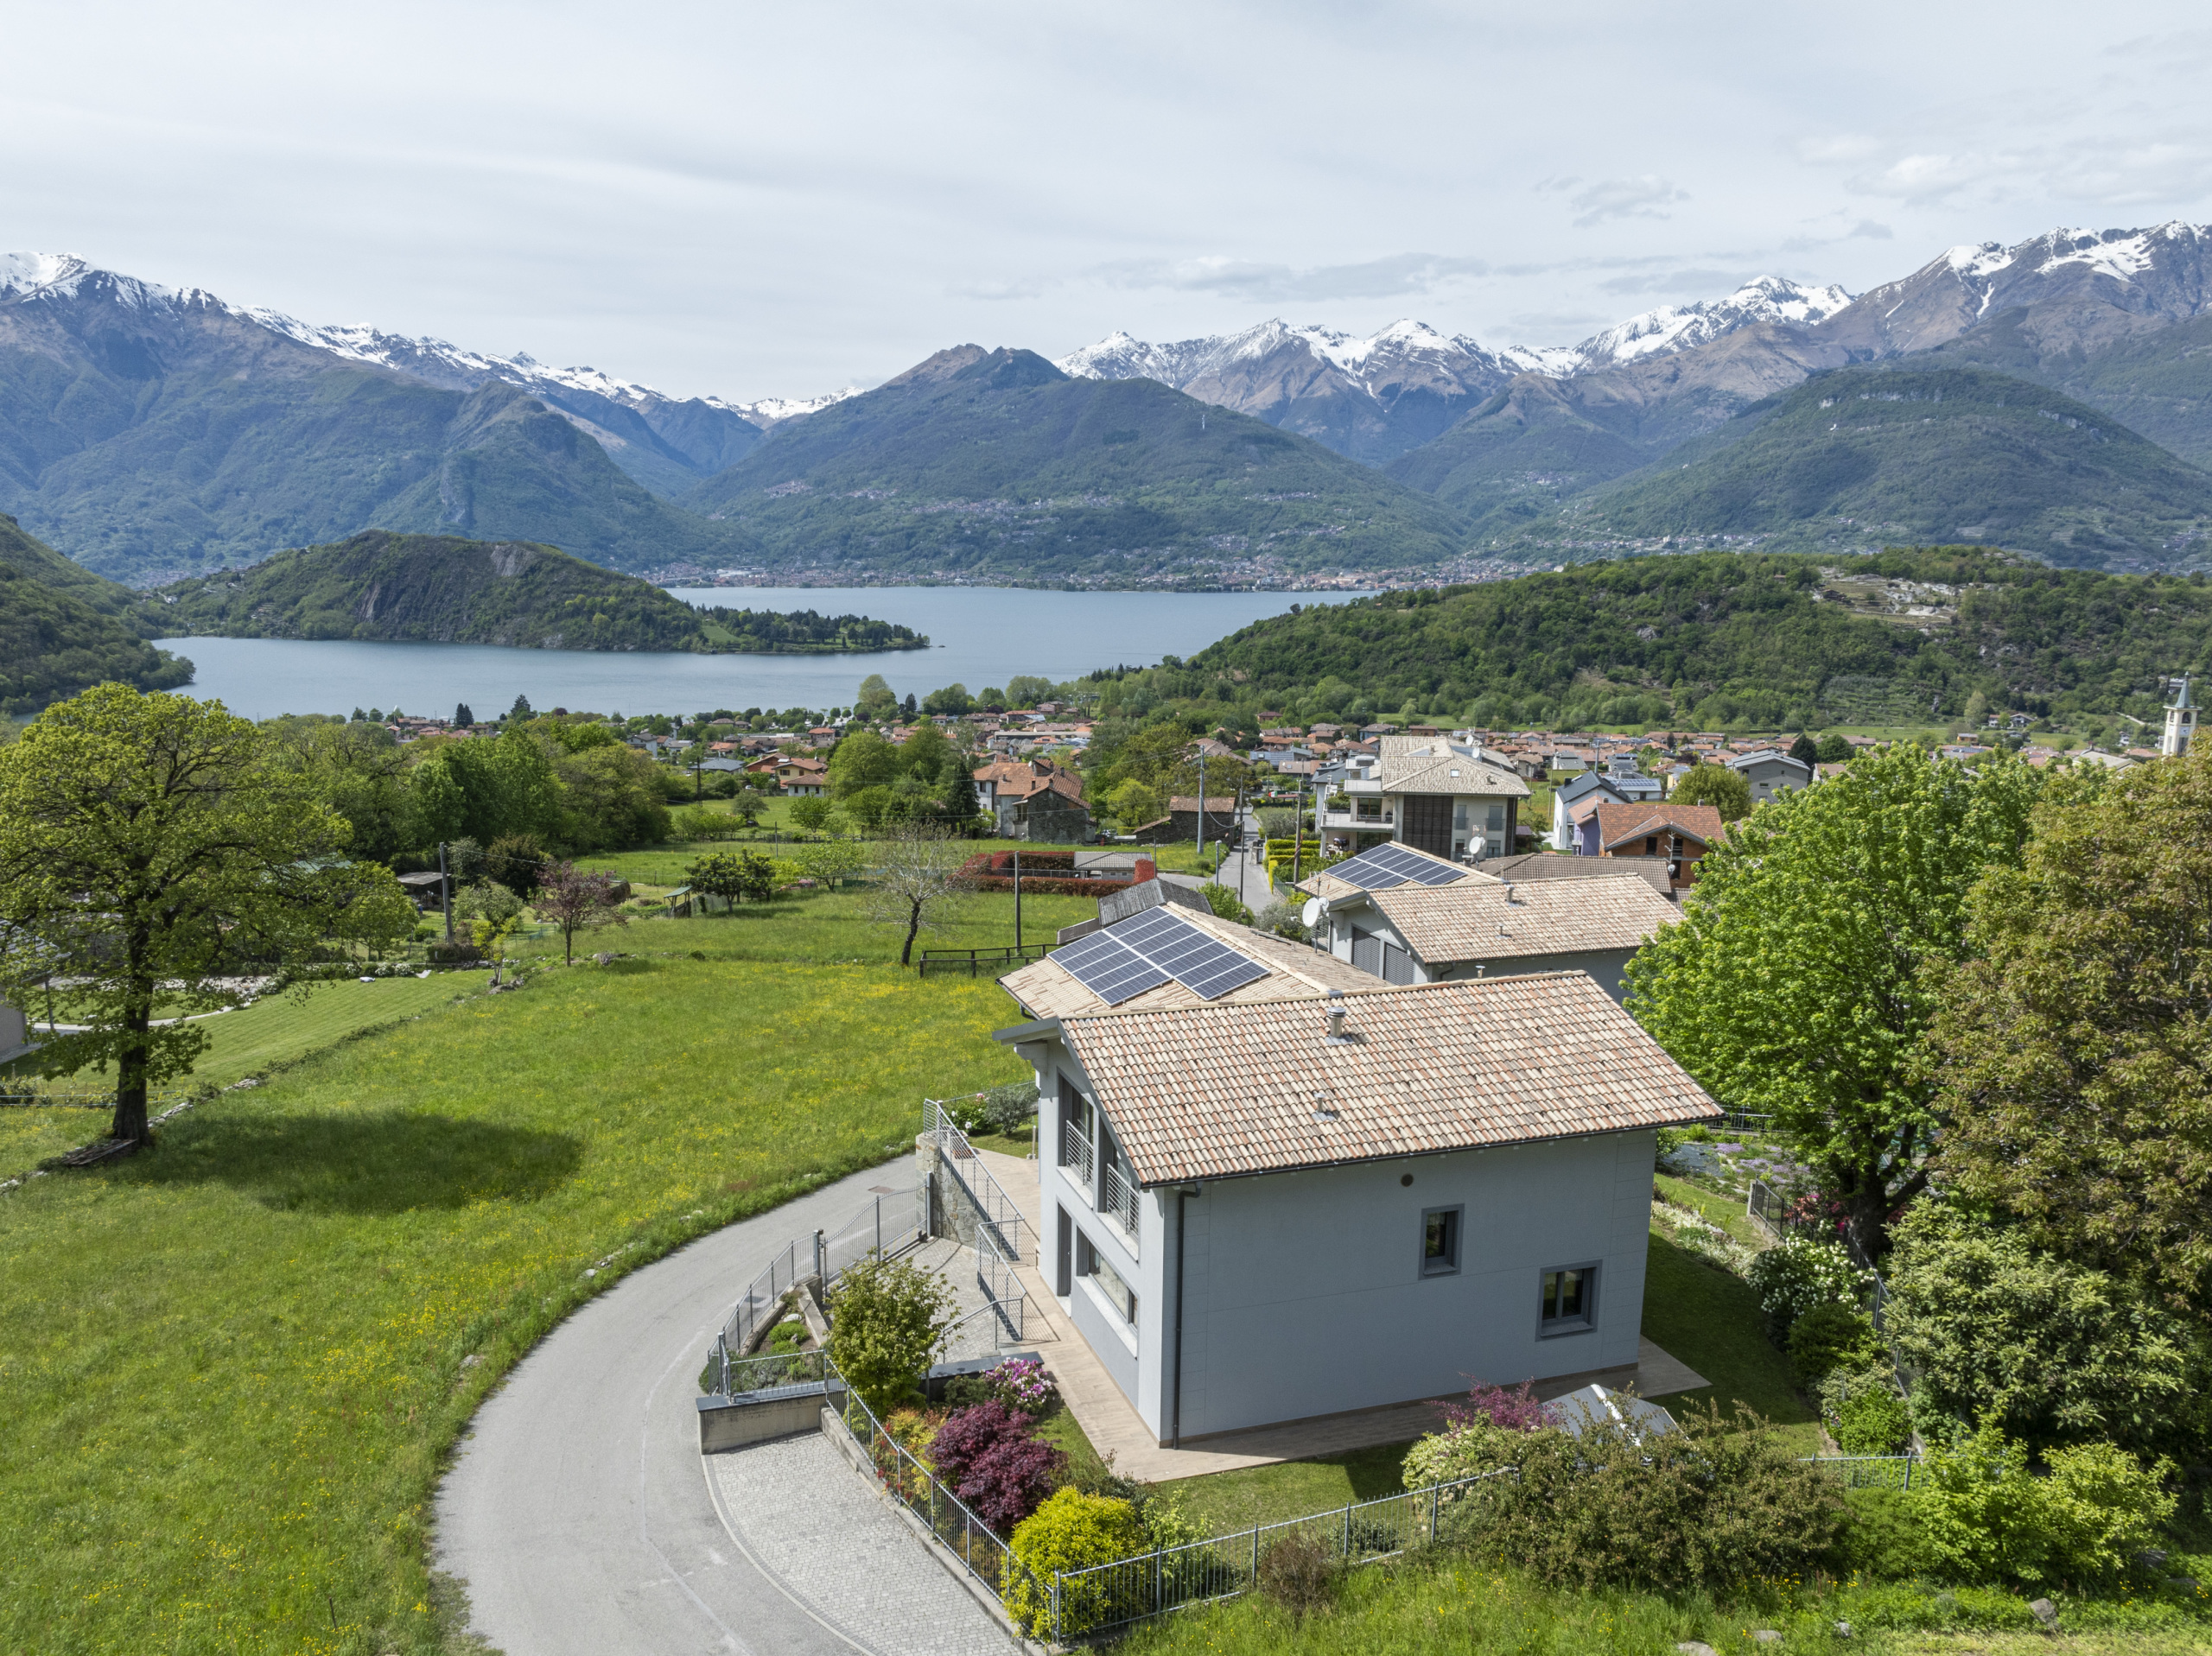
(825,926)
(233,1363)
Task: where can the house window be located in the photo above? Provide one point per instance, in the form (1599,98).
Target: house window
(1570,1299)
(1105,1278)
(1440,1241)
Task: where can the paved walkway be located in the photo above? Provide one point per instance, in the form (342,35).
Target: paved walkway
(577,1514)
(1114,1427)
(816,1527)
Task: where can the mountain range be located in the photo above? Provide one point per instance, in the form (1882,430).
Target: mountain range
(152,434)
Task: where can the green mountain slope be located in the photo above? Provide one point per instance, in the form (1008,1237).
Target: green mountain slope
(443,589)
(1866,456)
(983,464)
(62,629)
(152,436)
(1714,638)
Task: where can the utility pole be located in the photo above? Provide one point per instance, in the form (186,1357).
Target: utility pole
(1198,850)
(1017,901)
(445,889)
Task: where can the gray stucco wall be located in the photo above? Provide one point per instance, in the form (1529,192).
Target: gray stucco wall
(1305,1296)
(1605,965)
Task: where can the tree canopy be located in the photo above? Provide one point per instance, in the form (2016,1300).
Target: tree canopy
(151,848)
(1797,983)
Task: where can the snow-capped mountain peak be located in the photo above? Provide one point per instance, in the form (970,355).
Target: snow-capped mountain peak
(1677,327)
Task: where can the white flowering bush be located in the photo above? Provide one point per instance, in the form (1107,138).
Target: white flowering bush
(1796,1274)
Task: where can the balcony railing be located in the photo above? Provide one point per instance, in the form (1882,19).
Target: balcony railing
(1119,1201)
(1077,1156)
(1354,819)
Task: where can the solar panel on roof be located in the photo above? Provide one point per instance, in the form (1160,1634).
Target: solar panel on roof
(1382,867)
(1203,964)
(1108,968)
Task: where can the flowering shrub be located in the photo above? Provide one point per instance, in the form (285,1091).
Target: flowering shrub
(1518,1410)
(1022,1383)
(986,1454)
(1799,1273)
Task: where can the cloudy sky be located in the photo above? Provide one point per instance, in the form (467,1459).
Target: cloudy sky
(774,200)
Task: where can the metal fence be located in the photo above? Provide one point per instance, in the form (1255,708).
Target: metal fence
(1002,1238)
(20,1096)
(1130,1590)
(907,1480)
(886,1225)
(1868,1471)
(1745,1120)
(975,961)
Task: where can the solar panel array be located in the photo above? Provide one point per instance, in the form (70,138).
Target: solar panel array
(1387,865)
(1146,950)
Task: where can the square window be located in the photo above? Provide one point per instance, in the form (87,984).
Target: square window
(1568,1300)
(1440,1241)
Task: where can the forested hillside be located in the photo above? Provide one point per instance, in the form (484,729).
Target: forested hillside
(1712,639)
(62,630)
(439,588)
(998,464)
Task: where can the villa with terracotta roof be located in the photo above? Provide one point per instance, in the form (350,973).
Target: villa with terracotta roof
(1257,1211)
(1681,833)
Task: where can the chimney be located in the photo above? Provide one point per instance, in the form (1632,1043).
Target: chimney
(1509,891)
(1337,1017)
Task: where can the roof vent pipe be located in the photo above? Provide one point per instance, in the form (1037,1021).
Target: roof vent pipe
(1509,891)
(1336,1015)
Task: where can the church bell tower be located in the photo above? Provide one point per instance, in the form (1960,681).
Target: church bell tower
(2181,722)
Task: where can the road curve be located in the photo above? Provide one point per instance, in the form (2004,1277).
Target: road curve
(576,1513)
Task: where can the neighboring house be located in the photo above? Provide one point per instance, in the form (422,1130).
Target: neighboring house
(1441,796)
(1652,871)
(1382,866)
(1163,947)
(1034,799)
(1284,1209)
(1472,929)
(1576,801)
(1681,834)
(1181,821)
(1769,770)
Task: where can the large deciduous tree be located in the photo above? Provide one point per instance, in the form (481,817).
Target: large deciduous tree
(150,848)
(1727,791)
(2075,1054)
(1800,981)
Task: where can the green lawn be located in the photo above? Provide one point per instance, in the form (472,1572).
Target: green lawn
(1223,1501)
(1710,1320)
(232,1364)
(1721,1210)
(826,926)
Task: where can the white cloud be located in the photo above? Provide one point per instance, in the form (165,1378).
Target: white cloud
(1609,199)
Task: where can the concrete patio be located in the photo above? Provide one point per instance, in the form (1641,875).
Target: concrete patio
(1115,1428)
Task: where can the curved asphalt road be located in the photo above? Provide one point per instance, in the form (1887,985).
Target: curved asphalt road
(576,1513)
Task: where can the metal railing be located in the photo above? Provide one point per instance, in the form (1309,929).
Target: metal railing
(1118,1200)
(1746,1120)
(875,1228)
(1008,1225)
(786,1373)
(1130,1590)
(974,961)
(1078,1152)
(1868,1471)
(982,1553)
(19,1096)
(1002,1240)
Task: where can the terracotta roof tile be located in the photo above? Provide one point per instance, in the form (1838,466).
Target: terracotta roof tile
(1227,1090)
(1619,823)
(1545,917)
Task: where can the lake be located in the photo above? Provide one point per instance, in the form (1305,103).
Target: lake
(979,636)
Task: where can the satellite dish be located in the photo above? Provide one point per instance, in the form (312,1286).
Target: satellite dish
(1311,915)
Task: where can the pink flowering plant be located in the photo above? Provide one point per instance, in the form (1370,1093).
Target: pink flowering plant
(1021,1383)
(1518,1410)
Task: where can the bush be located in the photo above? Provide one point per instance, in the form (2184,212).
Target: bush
(1827,1337)
(697,824)
(1865,1413)
(1882,1539)
(1009,1109)
(1018,1383)
(1800,1273)
(986,1456)
(1225,904)
(1299,1574)
(1715,1502)
(1987,1517)
(1070,1531)
(2058,1352)
(888,1323)
(1465,1449)
(1284,920)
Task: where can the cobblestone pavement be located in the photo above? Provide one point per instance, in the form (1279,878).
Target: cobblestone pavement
(816,1526)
